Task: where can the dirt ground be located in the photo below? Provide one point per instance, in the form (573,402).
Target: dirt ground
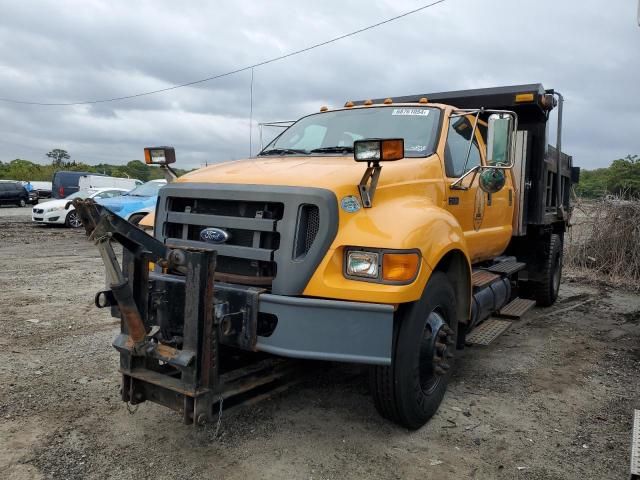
(550,399)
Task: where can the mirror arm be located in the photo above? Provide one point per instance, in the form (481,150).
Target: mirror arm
(368,183)
(473,134)
(456,185)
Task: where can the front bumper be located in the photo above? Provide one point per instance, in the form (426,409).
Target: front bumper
(334,330)
(56,216)
(298,327)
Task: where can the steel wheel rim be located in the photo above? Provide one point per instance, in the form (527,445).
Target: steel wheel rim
(74,220)
(429,378)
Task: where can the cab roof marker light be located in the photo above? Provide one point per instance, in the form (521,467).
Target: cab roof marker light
(324,108)
(388,101)
(524,97)
(423,100)
(349,104)
(368,102)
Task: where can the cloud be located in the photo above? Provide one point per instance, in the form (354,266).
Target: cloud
(71,50)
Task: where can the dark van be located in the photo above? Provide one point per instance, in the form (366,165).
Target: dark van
(13,193)
(66,183)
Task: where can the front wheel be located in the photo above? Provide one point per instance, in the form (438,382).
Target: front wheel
(73,220)
(410,390)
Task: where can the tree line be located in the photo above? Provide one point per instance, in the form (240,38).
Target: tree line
(20,169)
(621,178)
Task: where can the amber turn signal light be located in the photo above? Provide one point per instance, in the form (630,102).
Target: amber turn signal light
(400,267)
(159,155)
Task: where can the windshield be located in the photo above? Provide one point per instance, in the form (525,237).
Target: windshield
(335,132)
(149,189)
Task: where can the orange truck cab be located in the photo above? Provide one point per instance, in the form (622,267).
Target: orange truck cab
(383,232)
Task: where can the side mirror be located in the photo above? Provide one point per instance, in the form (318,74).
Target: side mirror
(491,180)
(378,150)
(499,139)
(159,155)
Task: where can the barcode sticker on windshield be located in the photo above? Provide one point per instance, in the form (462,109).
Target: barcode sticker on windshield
(411,111)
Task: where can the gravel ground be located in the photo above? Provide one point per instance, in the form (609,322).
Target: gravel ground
(550,399)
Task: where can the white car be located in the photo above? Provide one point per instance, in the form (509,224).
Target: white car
(62,212)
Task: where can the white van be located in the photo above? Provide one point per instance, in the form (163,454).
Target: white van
(91,182)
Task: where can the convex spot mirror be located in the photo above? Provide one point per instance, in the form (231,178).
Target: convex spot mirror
(378,150)
(499,139)
(491,180)
(159,155)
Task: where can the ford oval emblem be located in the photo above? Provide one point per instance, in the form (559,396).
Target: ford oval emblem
(214,235)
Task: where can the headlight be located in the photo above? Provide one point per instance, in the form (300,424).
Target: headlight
(363,264)
(399,267)
(55,209)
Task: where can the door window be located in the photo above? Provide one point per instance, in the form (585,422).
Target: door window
(457,147)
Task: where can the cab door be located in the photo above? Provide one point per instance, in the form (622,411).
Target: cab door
(481,217)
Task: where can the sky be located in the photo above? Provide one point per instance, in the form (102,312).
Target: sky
(74,50)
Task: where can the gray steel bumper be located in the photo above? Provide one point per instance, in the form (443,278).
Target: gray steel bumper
(328,329)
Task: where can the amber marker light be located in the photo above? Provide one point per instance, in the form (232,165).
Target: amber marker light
(524,97)
(400,267)
(392,149)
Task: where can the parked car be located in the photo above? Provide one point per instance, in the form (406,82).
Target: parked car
(66,183)
(87,182)
(43,189)
(134,205)
(62,211)
(13,193)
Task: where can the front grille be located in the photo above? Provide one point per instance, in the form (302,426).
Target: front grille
(219,213)
(276,235)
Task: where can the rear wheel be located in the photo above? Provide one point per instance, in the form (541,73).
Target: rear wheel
(22,203)
(545,291)
(73,220)
(410,390)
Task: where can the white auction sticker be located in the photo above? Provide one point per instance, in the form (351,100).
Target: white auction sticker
(411,111)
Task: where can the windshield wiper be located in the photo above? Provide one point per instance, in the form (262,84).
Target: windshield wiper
(335,149)
(284,151)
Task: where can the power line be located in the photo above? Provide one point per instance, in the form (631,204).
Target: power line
(232,72)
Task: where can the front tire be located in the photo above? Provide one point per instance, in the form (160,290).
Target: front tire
(73,220)
(410,390)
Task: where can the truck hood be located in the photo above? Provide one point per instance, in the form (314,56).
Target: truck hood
(314,171)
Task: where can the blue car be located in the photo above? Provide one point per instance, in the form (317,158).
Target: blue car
(134,205)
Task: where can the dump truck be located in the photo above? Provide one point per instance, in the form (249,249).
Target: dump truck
(386,232)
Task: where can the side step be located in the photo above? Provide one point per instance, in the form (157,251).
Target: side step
(487,331)
(516,308)
(482,278)
(508,267)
